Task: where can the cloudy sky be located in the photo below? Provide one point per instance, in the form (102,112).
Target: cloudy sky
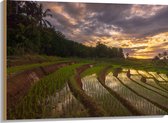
(141,30)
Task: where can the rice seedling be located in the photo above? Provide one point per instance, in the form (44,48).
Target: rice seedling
(94,89)
(150,79)
(159,80)
(146,93)
(137,79)
(63,104)
(144,73)
(94,109)
(154,74)
(164,76)
(138,102)
(93,70)
(29,106)
(154,84)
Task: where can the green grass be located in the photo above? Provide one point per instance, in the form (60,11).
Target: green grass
(33,57)
(30,107)
(13,61)
(31,61)
(96,69)
(45,60)
(16,69)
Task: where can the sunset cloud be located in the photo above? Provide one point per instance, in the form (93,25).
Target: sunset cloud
(141,30)
(143,11)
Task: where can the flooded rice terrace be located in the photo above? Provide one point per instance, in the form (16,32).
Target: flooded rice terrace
(64,104)
(147,98)
(137,101)
(93,88)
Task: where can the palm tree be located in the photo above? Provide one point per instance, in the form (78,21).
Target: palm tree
(36,13)
(41,14)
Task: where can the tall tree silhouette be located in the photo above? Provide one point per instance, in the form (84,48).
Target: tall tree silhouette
(165,55)
(159,55)
(41,14)
(127,55)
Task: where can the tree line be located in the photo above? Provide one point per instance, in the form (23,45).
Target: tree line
(161,56)
(29,33)
(161,59)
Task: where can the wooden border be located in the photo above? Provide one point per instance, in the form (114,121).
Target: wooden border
(5,64)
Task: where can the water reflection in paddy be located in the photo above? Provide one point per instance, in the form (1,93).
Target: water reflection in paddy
(164,76)
(137,101)
(154,74)
(144,91)
(93,88)
(144,73)
(132,71)
(150,84)
(64,104)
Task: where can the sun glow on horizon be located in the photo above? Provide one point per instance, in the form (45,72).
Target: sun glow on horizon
(143,48)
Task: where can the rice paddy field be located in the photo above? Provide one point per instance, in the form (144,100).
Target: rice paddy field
(76,91)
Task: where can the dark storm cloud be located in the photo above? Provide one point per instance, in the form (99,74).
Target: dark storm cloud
(146,27)
(137,26)
(104,13)
(108,13)
(111,14)
(91,25)
(62,20)
(74,10)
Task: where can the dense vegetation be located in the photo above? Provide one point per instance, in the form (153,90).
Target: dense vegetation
(28,32)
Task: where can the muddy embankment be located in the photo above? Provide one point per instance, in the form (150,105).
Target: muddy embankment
(93,107)
(78,75)
(19,84)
